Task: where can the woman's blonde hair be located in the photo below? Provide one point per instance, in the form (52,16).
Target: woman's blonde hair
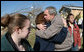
(10,21)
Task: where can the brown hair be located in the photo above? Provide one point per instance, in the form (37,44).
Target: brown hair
(4,20)
(11,21)
(40,18)
(68,17)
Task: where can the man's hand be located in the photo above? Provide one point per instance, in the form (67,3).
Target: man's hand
(41,26)
(64,22)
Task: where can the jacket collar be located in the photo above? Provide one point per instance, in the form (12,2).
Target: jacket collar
(53,19)
(10,40)
(74,26)
(8,37)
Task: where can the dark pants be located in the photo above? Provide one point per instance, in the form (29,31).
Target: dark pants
(74,48)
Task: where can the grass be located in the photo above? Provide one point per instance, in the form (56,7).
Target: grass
(31,37)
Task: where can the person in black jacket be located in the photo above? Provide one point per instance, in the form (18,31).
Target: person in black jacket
(42,44)
(18,30)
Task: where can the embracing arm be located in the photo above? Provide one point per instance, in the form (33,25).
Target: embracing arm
(60,37)
(53,29)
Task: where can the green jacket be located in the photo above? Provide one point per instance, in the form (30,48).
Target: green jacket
(7,46)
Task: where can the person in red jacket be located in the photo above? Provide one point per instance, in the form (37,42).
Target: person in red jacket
(74,32)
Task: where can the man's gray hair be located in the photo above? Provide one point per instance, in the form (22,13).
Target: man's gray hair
(51,10)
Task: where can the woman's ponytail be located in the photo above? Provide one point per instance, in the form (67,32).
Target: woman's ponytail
(5,20)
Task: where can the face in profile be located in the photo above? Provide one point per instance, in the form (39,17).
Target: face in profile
(47,15)
(24,32)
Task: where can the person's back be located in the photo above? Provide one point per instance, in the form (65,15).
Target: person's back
(66,45)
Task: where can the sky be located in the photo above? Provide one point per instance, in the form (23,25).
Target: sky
(8,7)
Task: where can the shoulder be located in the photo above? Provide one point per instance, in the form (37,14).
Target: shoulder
(5,45)
(58,19)
(58,16)
(3,40)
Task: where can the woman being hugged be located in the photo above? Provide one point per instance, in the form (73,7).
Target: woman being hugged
(18,30)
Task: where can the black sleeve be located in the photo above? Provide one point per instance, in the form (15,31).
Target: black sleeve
(60,37)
